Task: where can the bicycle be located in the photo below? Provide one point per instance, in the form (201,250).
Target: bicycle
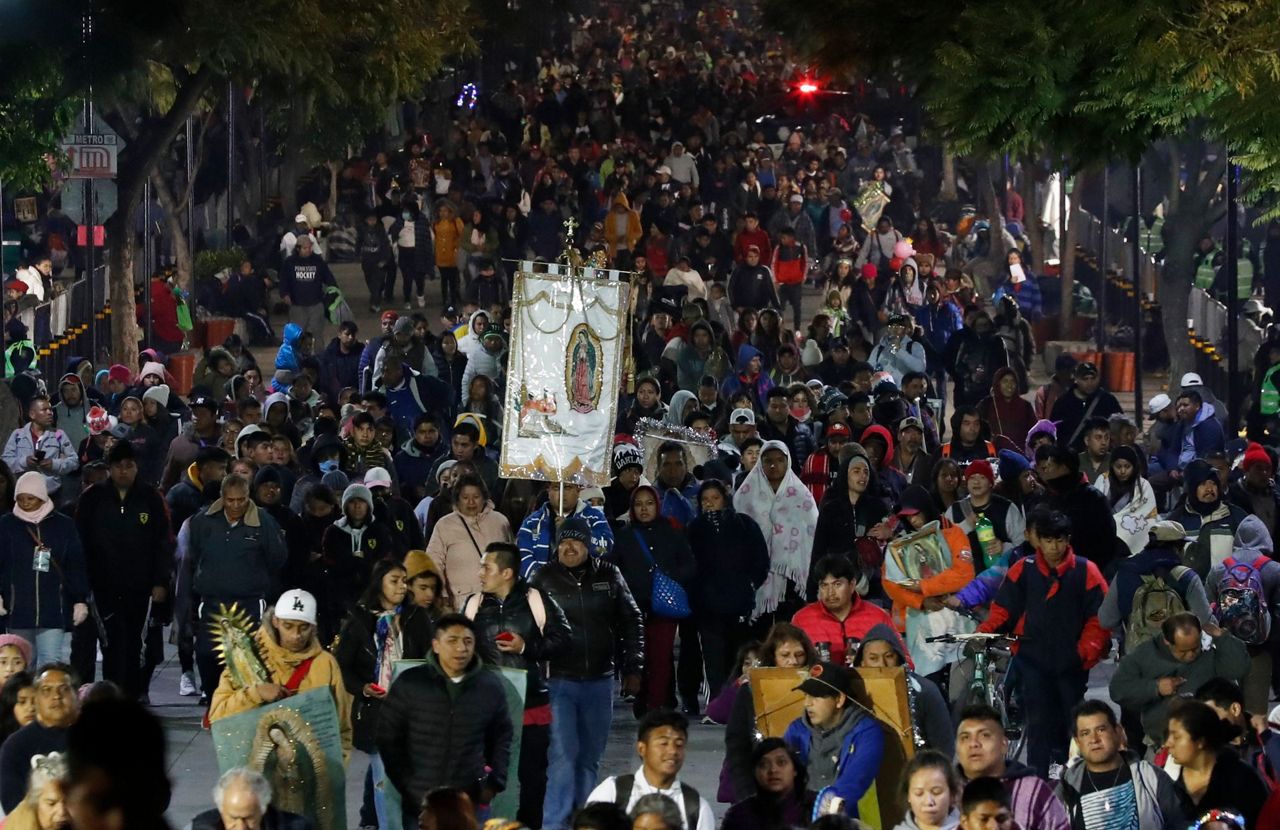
(988,683)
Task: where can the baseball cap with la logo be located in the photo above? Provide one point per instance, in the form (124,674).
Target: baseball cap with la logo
(298,605)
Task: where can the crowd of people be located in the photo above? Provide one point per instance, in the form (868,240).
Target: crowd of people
(890,487)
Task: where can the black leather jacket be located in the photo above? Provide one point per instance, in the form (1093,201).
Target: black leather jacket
(515,615)
(603,616)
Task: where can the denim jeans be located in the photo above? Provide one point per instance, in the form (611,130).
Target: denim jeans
(581,712)
(386,801)
(48,645)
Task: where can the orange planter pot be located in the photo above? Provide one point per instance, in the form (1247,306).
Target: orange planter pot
(1118,371)
(217,330)
(183,368)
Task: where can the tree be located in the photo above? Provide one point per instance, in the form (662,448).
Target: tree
(154,65)
(34,116)
(1087,81)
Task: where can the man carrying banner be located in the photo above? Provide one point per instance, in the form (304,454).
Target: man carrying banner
(295,662)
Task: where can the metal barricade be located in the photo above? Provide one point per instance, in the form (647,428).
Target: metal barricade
(74,323)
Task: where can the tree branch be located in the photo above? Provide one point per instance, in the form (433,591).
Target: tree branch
(152,140)
(118,123)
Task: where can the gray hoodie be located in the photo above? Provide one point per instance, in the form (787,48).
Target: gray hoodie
(929,711)
(1159,806)
(951,822)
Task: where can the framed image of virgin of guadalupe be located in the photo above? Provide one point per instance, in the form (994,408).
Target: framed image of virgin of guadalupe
(775,700)
(699,447)
(883,692)
(919,555)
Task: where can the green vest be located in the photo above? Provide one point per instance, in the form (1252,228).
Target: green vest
(1205,272)
(1152,238)
(1269,395)
(8,355)
(1244,278)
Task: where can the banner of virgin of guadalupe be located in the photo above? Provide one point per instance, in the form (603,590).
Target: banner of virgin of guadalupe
(568,336)
(296,744)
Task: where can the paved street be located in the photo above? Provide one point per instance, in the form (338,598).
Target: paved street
(194,770)
(193,767)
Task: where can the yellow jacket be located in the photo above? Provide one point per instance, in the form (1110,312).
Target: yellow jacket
(634,230)
(448,238)
(281,663)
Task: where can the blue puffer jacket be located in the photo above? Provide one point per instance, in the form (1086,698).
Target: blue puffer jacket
(287,354)
(939,323)
(38,599)
(1027,293)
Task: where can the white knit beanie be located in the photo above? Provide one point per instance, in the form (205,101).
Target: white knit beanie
(32,483)
(159,394)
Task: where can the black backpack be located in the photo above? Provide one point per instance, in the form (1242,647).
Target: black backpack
(623,785)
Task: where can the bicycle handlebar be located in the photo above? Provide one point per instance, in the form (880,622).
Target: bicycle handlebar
(966,638)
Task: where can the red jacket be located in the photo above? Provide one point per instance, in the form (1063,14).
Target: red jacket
(760,238)
(164,313)
(823,627)
(1055,614)
(790,264)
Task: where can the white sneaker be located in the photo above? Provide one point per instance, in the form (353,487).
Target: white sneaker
(187,685)
(422,301)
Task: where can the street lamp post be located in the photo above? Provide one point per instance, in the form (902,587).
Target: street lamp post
(1232,345)
(1137,292)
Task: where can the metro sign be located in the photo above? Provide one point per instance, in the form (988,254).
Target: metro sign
(91,156)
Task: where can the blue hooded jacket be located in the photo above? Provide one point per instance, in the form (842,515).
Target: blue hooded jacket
(1027,293)
(1203,436)
(536,537)
(860,754)
(759,389)
(287,356)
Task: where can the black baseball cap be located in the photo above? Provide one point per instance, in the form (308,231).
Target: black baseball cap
(1085,369)
(205,401)
(827,680)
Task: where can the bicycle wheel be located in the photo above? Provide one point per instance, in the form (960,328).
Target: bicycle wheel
(1015,731)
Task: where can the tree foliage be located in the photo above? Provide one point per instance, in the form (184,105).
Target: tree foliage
(33,117)
(1087,80)
(375,65)
(152,64)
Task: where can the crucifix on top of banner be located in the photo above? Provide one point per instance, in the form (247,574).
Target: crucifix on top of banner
(570,355)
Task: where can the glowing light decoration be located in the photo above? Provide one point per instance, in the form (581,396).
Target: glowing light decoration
(808,87)
(467,97)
